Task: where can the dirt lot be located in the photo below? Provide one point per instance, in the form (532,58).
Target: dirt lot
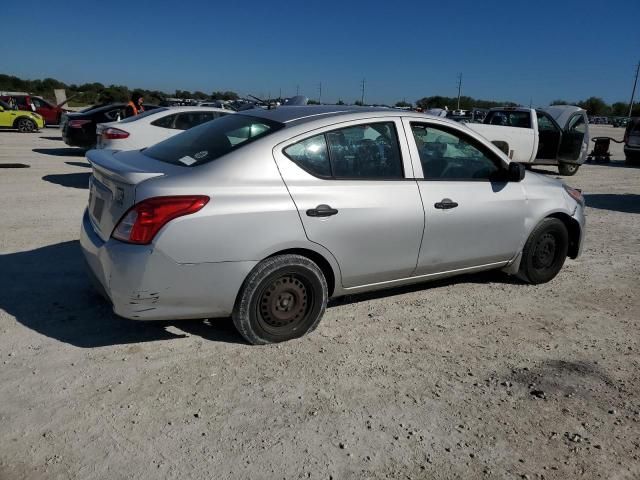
(477,377)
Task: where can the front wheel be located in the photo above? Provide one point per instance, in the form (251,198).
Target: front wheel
(568,169)
(545,251)
(284,297)
(25,125)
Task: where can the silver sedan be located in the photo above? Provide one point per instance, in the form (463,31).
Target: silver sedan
(266,214)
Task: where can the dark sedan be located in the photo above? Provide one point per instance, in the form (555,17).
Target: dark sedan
(79,129)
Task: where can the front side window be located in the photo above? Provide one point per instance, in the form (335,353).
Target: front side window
(448,155)
(210,141)
(545,124)
(39,103)
(361,152)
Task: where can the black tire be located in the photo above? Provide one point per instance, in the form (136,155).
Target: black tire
(284,297)
(568,169)
(632,160)
(545,251)
(26,125)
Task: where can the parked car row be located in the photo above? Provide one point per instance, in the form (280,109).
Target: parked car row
(51,113)
(21,120)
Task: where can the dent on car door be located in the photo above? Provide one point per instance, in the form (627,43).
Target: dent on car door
(474,216)
(355,197)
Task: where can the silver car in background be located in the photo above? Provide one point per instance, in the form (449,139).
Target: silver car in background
(265,214)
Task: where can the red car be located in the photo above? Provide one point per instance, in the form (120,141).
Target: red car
(50,112)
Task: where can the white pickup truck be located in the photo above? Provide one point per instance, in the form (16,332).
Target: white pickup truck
(557,135)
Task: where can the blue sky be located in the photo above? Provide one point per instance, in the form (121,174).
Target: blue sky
(515,50)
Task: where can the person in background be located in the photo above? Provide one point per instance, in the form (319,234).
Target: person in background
(135,105)
(12,103)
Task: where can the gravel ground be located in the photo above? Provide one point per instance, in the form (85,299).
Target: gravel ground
(476,377)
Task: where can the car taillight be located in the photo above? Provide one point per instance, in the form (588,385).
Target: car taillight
(144,220)
(78,123)
(114,134)
(575,194)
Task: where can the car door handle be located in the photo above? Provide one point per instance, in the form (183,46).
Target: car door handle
(445,204)
(321,211)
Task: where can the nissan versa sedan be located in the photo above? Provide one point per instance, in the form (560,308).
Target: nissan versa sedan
(265,214)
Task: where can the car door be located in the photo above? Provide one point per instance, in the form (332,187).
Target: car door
(353,189)
(575,139)
(473,216)
(549,137)
(6,119)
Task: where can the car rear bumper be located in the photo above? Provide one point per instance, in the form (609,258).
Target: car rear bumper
(144,284)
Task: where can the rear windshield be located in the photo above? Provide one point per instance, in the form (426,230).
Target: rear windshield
(212,140)
(143,114)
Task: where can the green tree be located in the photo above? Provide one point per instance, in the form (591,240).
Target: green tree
(402,104)
(560,102)
(340,102)
(595,106)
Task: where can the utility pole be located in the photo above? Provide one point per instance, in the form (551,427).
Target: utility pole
(633,92)
(320,94)
(297,89)
(363,84)
(459,88)
(280,96)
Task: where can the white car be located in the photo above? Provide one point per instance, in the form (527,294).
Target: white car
(152,127)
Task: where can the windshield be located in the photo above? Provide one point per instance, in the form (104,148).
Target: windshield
(212,140)
(143,114)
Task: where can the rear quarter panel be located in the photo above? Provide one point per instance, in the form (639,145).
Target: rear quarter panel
(249,217)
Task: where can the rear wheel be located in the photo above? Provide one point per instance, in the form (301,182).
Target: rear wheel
(545,251)
(283,298)
(568,169)
(25,125)
(631,159)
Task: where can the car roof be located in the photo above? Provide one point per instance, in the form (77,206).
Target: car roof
(294,115)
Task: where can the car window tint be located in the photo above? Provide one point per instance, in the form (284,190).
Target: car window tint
(113,115)
(312,155)
(164,122)
(450,155)
(577,124)
(545,123)
(212,140)
(509,119)
(368,151)
(39,103)
(144,114)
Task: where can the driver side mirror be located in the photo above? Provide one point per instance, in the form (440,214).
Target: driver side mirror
(516,172)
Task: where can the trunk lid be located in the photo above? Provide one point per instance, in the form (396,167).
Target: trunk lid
(113,183)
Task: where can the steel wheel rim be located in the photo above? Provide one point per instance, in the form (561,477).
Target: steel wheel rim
(544,255)
(285,303)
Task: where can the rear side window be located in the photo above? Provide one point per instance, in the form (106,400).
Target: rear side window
(362,152)
(312,155)
(146,113)
(210,141)
(507,118)
(164,122)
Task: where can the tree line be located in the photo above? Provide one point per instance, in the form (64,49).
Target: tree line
(91,93)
